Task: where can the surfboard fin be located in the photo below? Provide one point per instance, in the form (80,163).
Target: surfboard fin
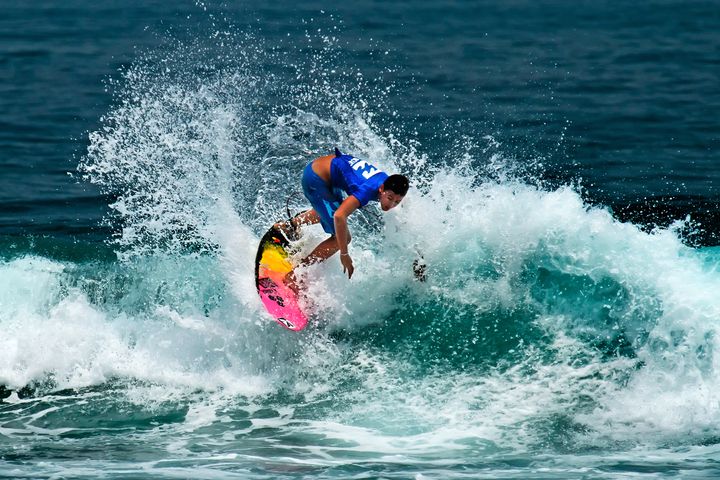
(337,152)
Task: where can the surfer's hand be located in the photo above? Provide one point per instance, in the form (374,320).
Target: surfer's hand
(347,264)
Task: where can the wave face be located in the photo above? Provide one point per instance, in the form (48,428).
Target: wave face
(550,340)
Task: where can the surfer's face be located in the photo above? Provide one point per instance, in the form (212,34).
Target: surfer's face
(389,199)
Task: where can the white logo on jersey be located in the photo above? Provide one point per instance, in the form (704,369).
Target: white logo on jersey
(358,164)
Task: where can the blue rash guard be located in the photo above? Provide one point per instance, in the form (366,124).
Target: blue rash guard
(347,174)
(357,178)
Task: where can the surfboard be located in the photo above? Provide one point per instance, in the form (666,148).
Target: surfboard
(272,265)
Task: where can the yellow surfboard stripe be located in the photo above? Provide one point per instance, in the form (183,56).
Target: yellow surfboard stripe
(275,258)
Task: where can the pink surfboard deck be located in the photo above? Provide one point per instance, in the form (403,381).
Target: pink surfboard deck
(271,268)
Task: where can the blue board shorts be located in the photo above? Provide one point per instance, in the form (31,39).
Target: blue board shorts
(324,199)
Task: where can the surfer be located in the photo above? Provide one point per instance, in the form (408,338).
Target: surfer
(324,180)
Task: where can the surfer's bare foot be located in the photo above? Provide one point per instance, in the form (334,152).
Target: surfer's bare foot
(290,228)
(293,283)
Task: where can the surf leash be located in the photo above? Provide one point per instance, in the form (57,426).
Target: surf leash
(294,232)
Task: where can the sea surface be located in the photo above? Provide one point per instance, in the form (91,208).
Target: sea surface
(563,158)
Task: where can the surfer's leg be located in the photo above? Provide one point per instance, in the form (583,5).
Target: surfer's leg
(326,249)
(291,227)
(308,217)
(323,251)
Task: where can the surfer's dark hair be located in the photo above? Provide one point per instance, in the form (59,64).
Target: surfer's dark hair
(397,183)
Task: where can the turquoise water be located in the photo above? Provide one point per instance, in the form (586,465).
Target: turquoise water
(561,200)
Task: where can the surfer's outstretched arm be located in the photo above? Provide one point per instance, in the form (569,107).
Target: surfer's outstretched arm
(347,207)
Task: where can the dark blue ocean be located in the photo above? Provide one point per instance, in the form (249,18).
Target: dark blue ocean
(565,191)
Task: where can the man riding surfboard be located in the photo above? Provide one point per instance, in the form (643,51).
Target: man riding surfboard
(324,180)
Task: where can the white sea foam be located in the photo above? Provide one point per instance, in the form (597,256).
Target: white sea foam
(54,337)
(671,309)
(52,330)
